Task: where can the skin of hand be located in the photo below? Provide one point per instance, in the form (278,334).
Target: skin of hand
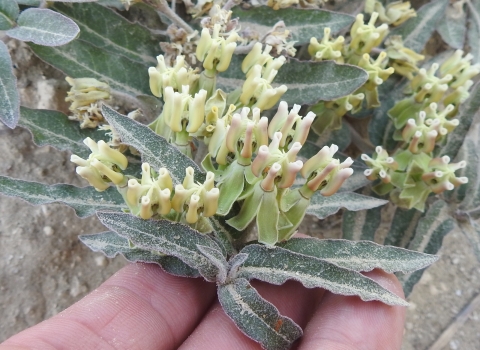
(142,307)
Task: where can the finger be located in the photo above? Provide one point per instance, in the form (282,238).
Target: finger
(348,323)
(217,330)
(140,307)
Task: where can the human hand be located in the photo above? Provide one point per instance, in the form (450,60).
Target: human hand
(142,307)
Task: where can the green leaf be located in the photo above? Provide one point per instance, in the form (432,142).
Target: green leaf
(322,207)
(154,149)
(469,194)
(402,227)
(471,229)
(164,236)
(363,224)
(84,200)
(418,30)
(360,256)
(302,24)
(468,110)
(277,265)
(224,233)
(8,14)
(389,92)
(44,27)
(431,229)
(80,59)
(106,29)
(53,128)
(29,2)
(111,244)
(9,99)
(341,137)
(453,27)
(218,259)
(257,318)
(307,82)
(473,31)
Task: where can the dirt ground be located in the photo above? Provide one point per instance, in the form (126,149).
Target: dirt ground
(44,268)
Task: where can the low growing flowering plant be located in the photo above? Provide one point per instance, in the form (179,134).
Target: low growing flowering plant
(264,112)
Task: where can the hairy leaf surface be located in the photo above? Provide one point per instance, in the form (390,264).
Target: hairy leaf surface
(44,27)
(80,59)
(302,24)
(307,82)
(155,149)
(473,31)
(106,29)
(468,111)
(111,244)
(164,236)
(8,14)
(53,128)
(360,256)
(431,229)
(452,28)
(257,318)
(84,200)
(417,30)
(323,207)
(9,99)
(277,265)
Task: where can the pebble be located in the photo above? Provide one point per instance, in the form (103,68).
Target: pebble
(458,292)
(453,345)
(48,230)
(101,261)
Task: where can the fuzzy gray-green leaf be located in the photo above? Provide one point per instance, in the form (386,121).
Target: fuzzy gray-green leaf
(164,236)
(418,30)
(80,59)
(322,206)
(363,224)
(155,149)
(473,30)
(468,110)
(8,14)
(106,29)
(216,258)
(360,256)
(302,24)
(9,99)
(85,201)
(257,318)
(53,128)
(44,27)
(452,28)
(307,82)
(402,227)
(224,233)
(111,244)
(277,265)
(431,229)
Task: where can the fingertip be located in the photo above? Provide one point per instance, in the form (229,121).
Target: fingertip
(348,323)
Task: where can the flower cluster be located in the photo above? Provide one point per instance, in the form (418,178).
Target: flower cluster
(85,97)
(423,120)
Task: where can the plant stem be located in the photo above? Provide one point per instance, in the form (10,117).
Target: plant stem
(162,6)
(244,49)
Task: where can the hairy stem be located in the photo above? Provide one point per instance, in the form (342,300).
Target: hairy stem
(162,6)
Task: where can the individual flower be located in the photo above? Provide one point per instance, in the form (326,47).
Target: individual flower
(403,60)
(103,166)
(327,49)
(150,195)
(214,50)
(164,76)
(395,13)
(194,200)
(365,36)
(380,166)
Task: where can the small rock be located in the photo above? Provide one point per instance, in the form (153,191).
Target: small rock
(426,278)
(101,261)
(48,230)
(453,345)
(458,292)
(433,290)
(76,288)
(455,261)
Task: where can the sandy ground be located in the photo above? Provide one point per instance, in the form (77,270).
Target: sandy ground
(44,268)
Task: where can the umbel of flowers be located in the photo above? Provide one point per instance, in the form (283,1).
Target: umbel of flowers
(423,121)
(250,160)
